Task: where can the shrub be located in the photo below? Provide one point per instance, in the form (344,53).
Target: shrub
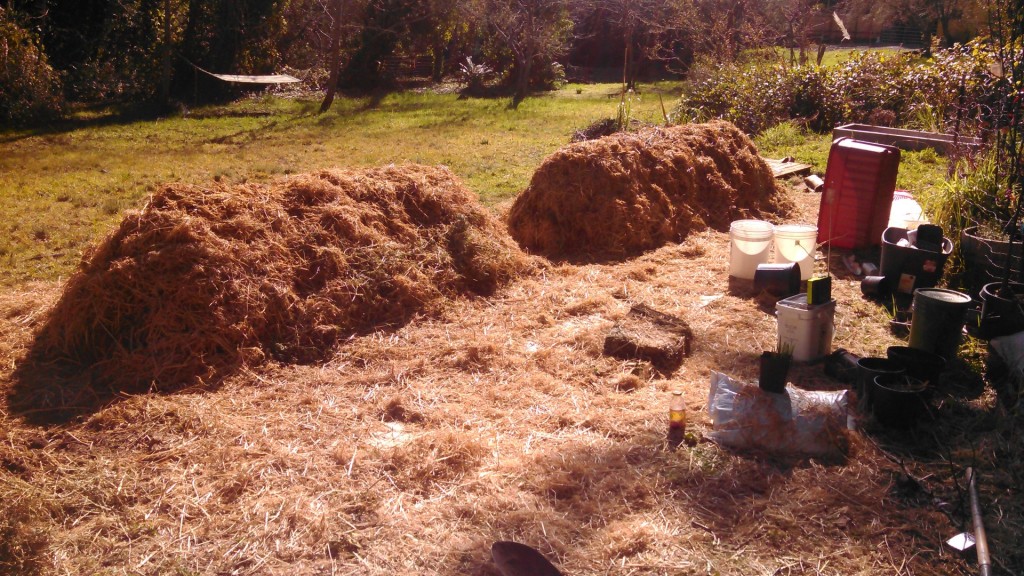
(875,87)
(974,195)
(753,97)
(30,90)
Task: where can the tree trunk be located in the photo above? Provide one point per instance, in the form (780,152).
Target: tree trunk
(523,80)
(947,38)
(437,64)
(165,56)
(525,64)
(628,75)
(335,58)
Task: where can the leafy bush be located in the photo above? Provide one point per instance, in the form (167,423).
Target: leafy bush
(753,97)
(30,90)
(891,88)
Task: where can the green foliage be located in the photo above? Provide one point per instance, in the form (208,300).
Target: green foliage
(878,87)
(754,97)
(624,112)
(30,90)
(975,195)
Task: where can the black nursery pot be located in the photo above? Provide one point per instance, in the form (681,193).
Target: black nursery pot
(1002,314)
(921,364)
(781,280)
(898,401)
(869,368)
(774,370)
(876,286)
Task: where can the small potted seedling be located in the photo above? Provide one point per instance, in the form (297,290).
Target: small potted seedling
(775,368)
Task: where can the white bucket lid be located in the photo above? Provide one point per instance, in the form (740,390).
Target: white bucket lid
(752,229)
(796,230)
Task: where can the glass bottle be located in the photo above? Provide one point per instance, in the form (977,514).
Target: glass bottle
(676,419)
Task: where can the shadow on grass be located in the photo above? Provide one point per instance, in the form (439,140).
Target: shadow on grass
(95,116)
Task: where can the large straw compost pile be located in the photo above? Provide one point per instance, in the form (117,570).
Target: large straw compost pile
(207,278)
(628,193)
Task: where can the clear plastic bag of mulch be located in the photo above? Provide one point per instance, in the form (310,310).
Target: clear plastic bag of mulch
(795,423)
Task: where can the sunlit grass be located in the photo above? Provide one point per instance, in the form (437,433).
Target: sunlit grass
(62,189)
(922,173)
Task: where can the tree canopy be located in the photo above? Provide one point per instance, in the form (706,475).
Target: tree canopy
(148,50)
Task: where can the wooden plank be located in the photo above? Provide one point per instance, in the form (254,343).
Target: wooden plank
(782,169)
(904,139)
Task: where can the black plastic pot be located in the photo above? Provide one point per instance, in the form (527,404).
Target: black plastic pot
(876,286)
(898,400)
(780,280)
(985,258)
(774,370)
(1002,313)
(921,364)
(869,369)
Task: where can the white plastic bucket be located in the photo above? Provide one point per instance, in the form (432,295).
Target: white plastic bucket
(750,242)
(806,329)
(796,243)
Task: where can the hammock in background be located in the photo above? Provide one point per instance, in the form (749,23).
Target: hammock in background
(265,79)
(250,79)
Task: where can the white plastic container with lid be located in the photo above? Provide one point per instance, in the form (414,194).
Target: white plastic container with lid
(750,241)
(804,328)
(905,212)
(797,243)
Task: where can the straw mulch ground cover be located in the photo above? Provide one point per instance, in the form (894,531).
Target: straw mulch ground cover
(631,192)
(410,449)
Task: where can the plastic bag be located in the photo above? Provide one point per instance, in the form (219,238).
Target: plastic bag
(797,423)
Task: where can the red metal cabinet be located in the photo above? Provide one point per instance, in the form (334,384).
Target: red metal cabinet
(857,196)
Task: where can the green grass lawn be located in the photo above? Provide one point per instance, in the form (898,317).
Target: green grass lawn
(62,190)
(839,54)
(921,173)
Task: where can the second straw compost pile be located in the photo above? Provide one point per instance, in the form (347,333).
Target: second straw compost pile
(628,193)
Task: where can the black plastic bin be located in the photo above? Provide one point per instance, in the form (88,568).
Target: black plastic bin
(908,267)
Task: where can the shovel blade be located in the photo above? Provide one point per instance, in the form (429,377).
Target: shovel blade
(515,559)
(962,542)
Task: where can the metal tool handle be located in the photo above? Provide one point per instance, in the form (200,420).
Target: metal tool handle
(980,541)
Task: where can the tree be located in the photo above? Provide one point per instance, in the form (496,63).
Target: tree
(443,29)
(797,19)
(728,27)
(337,13)
(104,48)
(929,16)
(30,89)
(531,30)
(647,28)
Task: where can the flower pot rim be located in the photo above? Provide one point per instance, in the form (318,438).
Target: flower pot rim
(972,231)
(1016,287)
(913,385)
